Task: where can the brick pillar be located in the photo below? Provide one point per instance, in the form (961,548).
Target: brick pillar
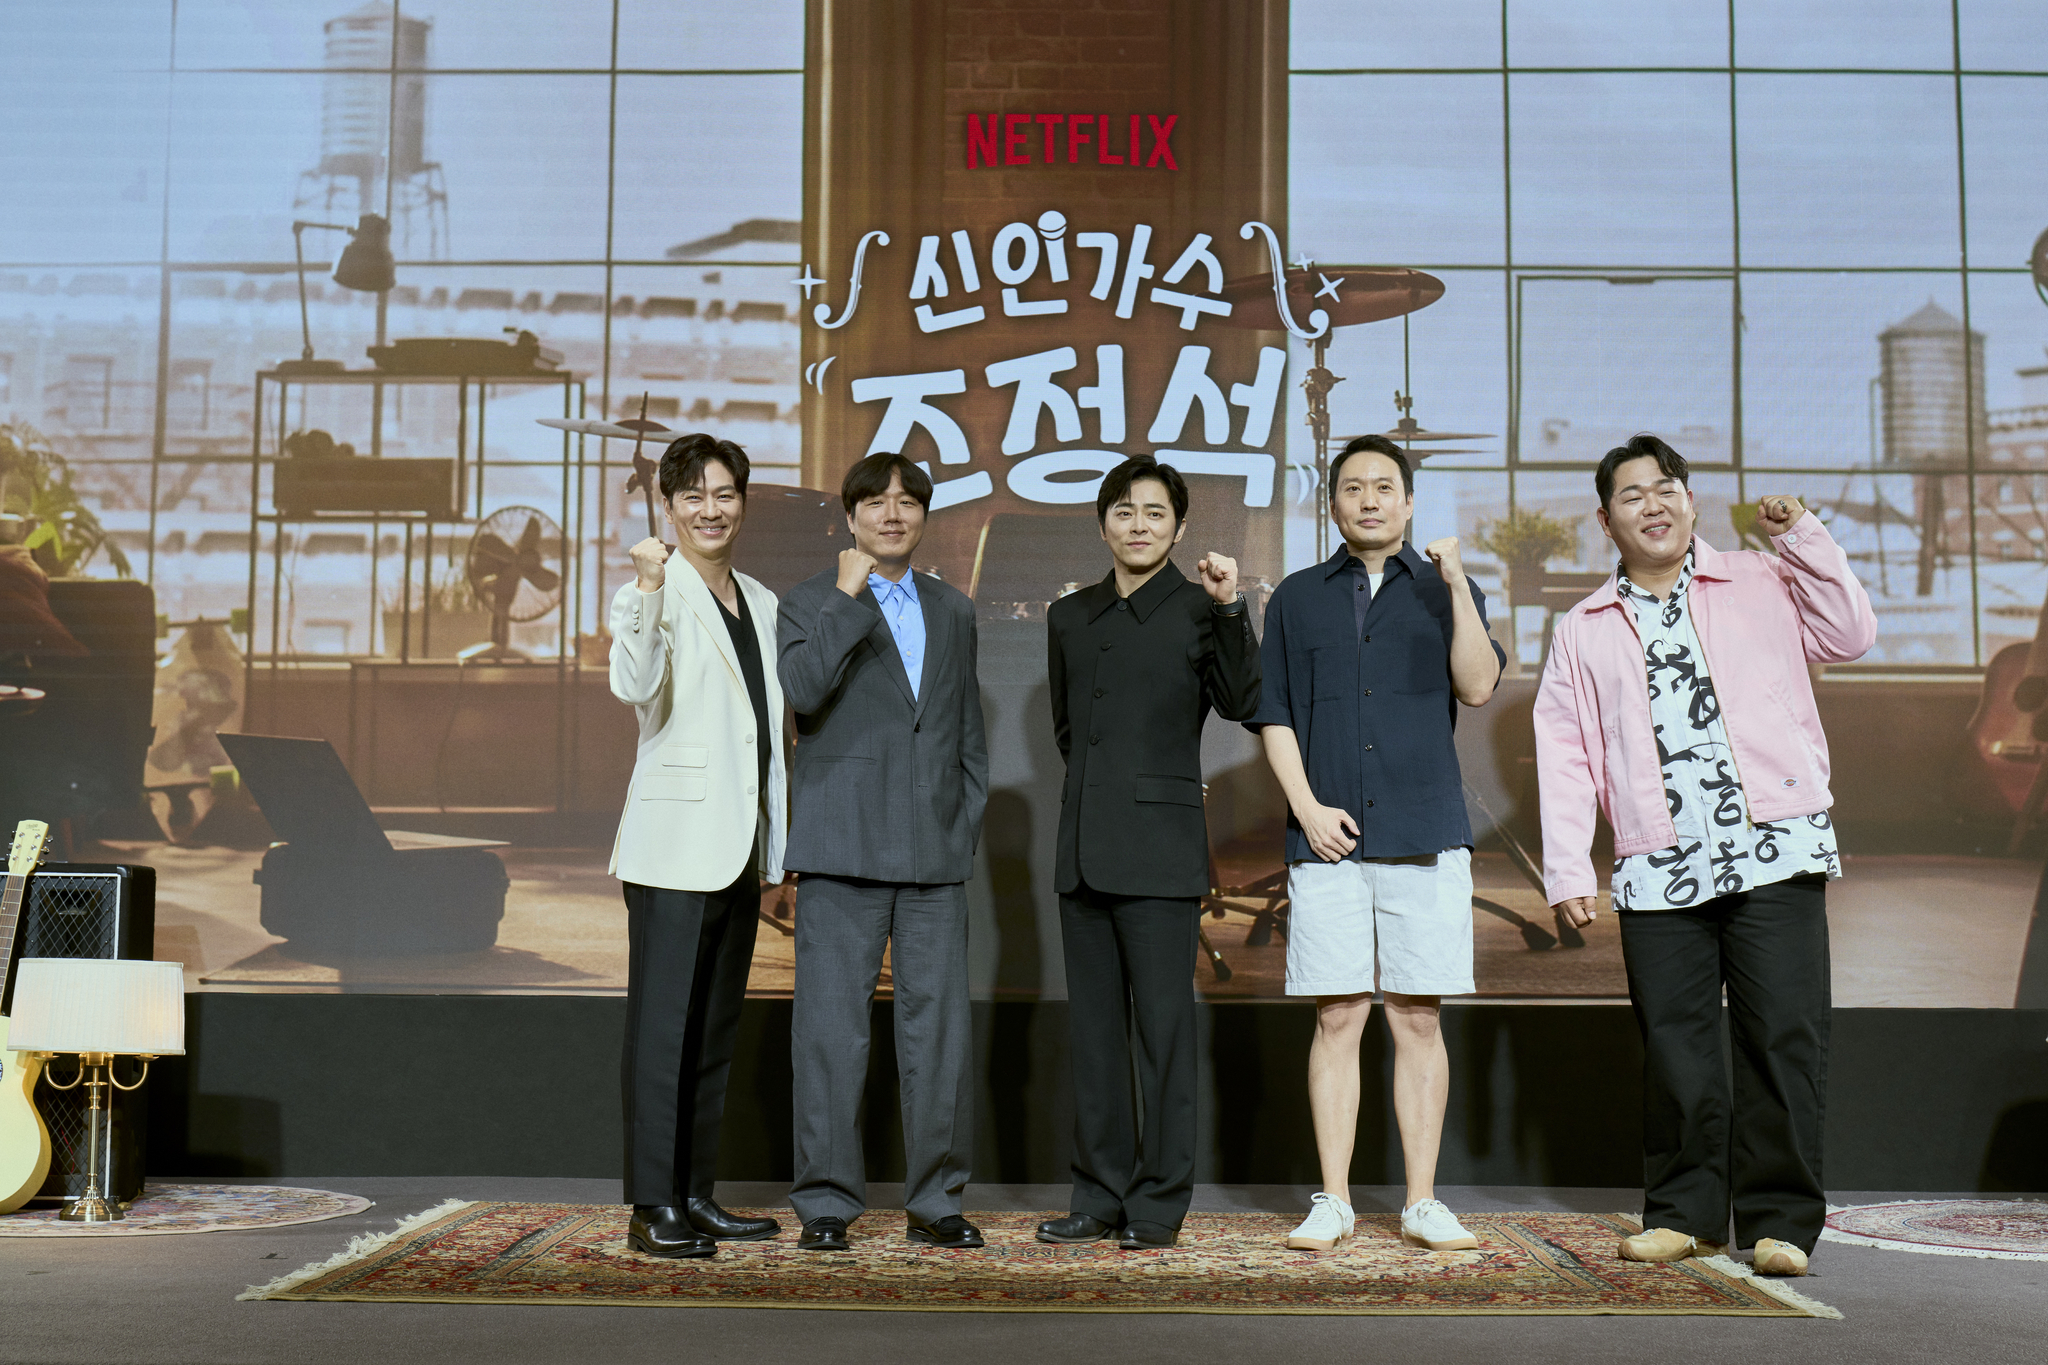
(888,89)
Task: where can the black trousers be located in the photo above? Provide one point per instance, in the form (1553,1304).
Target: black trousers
(686,977)
(1131,962)
(1757,1152)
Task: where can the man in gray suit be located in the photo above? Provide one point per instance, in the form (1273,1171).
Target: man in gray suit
(891,779)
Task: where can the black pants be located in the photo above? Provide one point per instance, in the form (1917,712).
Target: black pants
(687,974)
(1131,961)
(1759,1153)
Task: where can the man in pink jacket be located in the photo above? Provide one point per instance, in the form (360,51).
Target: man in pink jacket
(1677,700)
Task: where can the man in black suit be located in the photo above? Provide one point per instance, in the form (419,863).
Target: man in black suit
(1136,663)
(891,778)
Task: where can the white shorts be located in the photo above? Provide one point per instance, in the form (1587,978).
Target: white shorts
(1414,914)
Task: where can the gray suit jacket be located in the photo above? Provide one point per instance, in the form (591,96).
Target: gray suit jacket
(888,786)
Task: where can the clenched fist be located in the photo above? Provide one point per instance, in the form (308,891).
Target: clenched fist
(1219,577)
(1775,514)
(649,558)
(1444,554)
(854,567)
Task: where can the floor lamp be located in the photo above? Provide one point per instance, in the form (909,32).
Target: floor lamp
(97,1009)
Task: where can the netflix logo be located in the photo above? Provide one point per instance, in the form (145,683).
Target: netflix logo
(1055,139)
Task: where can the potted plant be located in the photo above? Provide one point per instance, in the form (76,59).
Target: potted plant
(458,620)
(42,510)
(1524,541)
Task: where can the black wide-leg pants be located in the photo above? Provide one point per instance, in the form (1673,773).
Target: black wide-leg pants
(1131,962)
(686,978)
(1756,1152)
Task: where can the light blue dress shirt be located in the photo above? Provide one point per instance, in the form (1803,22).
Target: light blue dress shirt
(905,615)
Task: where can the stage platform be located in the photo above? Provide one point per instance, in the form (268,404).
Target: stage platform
(287,1086)
(172,1299)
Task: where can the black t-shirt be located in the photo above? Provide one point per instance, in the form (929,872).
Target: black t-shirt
(748,646)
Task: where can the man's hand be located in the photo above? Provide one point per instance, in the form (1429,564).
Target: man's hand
(649,557)
(1325,827)
(1219,577)
(1775,514)
(854,567)
(1444,554)
(1579,911)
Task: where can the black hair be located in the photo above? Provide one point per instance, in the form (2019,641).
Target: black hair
(1670,463)
(682,464)
(1117,482)
(1378,445)
(869,478)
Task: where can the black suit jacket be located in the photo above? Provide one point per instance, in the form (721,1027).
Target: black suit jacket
(1132,683)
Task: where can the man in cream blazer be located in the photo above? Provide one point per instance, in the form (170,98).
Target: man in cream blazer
(693,652)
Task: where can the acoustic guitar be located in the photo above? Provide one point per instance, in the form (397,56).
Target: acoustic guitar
(24,1141)
(2009,731)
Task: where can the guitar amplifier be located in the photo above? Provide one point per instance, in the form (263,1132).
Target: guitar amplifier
(102,910)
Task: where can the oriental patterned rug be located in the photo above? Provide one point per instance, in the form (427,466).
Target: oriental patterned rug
(2011,1230)
(1527,1263)
(194,1208)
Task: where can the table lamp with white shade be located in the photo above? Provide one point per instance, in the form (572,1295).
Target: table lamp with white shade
(97,1009)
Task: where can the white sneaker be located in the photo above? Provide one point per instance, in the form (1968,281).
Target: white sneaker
(1330,1221)
(1428,1223)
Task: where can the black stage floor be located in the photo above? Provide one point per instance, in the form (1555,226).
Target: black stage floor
(171,1299)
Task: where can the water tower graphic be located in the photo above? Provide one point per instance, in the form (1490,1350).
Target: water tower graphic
(1933,415)
(373,108)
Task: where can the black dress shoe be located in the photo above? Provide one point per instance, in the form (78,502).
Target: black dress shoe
(715,1223)
(1076,1227)
(952,1232)
(823,1234)
(664,1230)
(1148,1237)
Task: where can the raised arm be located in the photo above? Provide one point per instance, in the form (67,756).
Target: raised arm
(1231,684)
(1567,789)
(1836,621)
(1476,659)
(1231,672)
(815,636)
(639,670)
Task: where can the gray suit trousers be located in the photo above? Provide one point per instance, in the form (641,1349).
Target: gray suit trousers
(842,925)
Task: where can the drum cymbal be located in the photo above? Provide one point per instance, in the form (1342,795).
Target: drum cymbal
(1349,294)
(625,429)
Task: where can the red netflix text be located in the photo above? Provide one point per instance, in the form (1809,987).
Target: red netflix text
(1132,140)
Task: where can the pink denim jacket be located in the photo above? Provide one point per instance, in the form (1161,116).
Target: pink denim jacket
(1761,620)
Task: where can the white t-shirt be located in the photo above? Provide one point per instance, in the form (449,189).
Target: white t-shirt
(1374,579)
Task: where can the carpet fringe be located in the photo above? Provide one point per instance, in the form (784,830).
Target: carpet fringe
(363,1244)
(1886,1244)
(1774,1286)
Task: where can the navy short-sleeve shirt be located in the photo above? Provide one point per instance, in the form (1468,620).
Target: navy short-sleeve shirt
(1369,699)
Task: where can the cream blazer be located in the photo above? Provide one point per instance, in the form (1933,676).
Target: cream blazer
(692,808)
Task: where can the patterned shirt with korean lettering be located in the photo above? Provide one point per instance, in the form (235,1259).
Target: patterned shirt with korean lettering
(1720,850)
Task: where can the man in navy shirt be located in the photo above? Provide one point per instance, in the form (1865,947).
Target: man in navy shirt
(1366,658)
